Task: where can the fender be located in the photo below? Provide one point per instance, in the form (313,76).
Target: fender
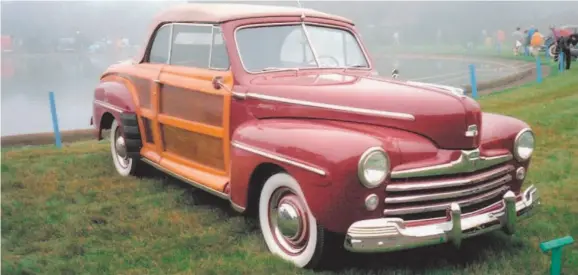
(499,131)
(321,155)
(113,95)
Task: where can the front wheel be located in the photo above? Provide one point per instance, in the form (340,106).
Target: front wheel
(552,50)
(124,164)
(287,224)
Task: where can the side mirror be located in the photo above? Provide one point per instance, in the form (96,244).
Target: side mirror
(217,82)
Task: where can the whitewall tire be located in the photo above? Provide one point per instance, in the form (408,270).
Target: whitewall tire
(125,166)
(288,226)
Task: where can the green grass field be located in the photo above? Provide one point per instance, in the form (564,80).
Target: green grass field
(67,212)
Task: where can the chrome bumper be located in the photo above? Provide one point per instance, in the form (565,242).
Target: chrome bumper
(391,234)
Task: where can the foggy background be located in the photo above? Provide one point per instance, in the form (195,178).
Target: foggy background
(44,56)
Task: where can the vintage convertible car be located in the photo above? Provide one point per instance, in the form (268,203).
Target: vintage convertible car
(279,111)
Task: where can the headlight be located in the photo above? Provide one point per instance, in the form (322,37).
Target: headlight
(524,145)
(373,167)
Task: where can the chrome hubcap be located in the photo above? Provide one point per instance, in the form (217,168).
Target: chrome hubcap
(288,221)
(120,147)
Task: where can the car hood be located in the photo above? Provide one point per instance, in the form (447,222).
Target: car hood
(438,114)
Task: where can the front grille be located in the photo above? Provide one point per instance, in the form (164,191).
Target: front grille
(429,197)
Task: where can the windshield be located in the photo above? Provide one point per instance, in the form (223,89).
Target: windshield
(283,47)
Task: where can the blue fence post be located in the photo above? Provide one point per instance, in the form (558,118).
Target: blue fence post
(57,139)
(538,69)
(473,81)
(561,61)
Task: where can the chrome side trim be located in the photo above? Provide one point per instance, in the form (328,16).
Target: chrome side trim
(451,194)
(278,157)
(442,206)
(237,207)
(238,95)
(426,185)
(191,182)
(393,234)
(394,115)
(469,161)
(108,106)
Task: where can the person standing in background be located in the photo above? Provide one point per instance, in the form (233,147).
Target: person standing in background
(564,44)
(536,42)
(501,36)
(518,39)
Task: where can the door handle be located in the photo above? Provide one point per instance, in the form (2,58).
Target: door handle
(157,81)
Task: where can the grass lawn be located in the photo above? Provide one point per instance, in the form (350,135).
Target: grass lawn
(67,212)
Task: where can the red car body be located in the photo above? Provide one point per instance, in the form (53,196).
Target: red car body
(314,125)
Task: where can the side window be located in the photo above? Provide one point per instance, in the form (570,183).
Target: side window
(219,55)
(160,48)
(199,47)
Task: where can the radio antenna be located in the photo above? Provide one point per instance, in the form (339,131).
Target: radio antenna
(302,12)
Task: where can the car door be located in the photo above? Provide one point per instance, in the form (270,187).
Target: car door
(146,84)
(193,116)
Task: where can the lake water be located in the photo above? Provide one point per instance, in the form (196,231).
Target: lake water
(25,105)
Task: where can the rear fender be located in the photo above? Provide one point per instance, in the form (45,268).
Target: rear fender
(322,157)
(113,96)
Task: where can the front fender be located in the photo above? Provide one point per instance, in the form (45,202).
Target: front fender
(335,196)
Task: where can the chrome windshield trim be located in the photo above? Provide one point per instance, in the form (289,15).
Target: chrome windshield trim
(393,115)
(450,194)
(278,157)
(296,23)
(108,105)
(469,161)
(434,184)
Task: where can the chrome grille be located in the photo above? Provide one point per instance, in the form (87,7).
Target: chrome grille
(429,197)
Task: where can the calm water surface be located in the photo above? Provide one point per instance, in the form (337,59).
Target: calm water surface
(25,106)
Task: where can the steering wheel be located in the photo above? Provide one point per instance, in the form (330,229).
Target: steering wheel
(325,57)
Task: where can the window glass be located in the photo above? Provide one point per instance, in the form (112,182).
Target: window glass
(199,47)
(160,48)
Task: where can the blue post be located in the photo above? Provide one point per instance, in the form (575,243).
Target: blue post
(57,139)
(473,81)
(538,69)
(561,61)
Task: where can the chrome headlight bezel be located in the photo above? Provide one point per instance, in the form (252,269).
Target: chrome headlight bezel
(361,167)
(517,143)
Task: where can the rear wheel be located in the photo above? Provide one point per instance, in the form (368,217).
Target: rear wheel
(287,224)
(125,164)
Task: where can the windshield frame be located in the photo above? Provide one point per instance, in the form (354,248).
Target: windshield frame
(302,24)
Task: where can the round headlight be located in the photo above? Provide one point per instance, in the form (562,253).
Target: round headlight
(373,167)
(524,145)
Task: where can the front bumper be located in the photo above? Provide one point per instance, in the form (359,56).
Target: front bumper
(391,234)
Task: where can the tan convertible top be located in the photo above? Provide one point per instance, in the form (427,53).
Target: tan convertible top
(218,13)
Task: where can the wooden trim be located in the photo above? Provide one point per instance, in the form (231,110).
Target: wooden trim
(193,146)
(191,104)
(191,126)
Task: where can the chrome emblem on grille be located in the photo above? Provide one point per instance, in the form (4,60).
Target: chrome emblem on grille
(471,158)
(472,131)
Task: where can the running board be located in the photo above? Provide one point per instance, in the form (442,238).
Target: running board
(193,183)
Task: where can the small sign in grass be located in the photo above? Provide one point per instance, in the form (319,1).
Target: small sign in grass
(556,247)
